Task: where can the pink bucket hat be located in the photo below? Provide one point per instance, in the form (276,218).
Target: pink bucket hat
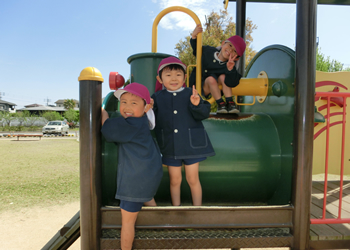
(165,62)
(135,89)
(239,44)
(168,61)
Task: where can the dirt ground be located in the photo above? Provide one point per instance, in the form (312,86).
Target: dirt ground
(32,228)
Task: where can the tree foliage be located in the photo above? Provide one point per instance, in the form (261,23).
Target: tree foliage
(7,118)
(31,119)
(52,116)
(218,27)
(69,104)
(71,115)
(326,64)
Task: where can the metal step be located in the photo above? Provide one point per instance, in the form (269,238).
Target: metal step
(200,238)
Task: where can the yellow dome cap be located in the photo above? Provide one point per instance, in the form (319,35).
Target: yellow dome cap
(90,73)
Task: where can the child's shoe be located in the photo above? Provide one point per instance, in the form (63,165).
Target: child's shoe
(232,108)
(221,108)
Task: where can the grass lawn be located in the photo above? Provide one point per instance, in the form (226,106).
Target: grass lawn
(38,172)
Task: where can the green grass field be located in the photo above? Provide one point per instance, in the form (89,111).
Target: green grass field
(38,172)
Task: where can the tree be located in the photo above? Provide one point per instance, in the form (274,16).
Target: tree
(52,116)
(326,64)
(8,118)
(31,119)
(69,104)
(218,27)
(2,114)
(21,116)
(71,115)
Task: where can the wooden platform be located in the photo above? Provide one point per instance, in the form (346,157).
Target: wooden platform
(332,231)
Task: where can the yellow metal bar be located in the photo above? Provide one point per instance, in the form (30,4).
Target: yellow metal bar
(243,103)
(225,4)
(248,87)
(188,74)
(199,40)
(251,86)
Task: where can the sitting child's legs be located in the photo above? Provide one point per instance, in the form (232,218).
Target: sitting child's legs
(211,86)
(192,178)
(230,104)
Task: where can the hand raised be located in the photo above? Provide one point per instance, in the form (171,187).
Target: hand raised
(231,62)
(196,31)
(195,99)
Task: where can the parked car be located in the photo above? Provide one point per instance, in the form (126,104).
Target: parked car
(56,127)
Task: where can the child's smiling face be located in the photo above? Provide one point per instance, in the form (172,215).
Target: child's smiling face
(131,105)
(227,49)
(172,79)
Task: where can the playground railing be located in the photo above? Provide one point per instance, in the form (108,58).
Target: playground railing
(327,96)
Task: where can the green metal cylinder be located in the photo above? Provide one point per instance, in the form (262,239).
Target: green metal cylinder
(143,68)
(246,168)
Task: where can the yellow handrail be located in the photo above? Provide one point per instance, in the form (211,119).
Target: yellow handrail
(225,4)
(199,40)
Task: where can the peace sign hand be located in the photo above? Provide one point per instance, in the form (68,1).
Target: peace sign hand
(231,62)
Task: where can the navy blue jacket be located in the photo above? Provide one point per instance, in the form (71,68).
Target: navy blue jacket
(212,67)
(179,129)
(139,161)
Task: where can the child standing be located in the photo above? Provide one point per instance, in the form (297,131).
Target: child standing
(218,69)
(180,133)
(139,161)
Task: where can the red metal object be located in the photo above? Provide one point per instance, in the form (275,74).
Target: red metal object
(327,83)
(337,100)
(115,80)
(328,96)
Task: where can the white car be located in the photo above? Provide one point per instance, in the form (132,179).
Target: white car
(56,127)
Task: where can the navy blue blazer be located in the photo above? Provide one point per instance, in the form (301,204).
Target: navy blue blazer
(179,129)
(139,161)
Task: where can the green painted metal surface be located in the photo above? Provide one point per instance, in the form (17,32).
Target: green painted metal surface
(143,68)
(279,64)
(109,156)
(253,162)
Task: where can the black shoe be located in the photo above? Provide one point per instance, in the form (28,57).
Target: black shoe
(208,96)
(221,108)
(232,108)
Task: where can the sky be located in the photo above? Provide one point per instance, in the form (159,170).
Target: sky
(45,44)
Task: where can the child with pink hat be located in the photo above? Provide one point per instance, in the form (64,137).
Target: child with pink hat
(139,161)
(218,68)
(180,134)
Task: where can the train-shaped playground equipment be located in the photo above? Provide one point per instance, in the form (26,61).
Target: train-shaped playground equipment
(255,190)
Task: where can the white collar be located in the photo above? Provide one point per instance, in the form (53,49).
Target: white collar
(175,91)
(216,56)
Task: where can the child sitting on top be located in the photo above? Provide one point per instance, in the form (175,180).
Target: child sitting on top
(139,161)
(181,136)
(218,68)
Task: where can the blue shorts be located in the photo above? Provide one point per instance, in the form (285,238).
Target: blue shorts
(131,206)
(178,162)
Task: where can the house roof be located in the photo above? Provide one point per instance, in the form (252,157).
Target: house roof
(8,103)
(46,108)
(43,108)
(33,105)
(63,100)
